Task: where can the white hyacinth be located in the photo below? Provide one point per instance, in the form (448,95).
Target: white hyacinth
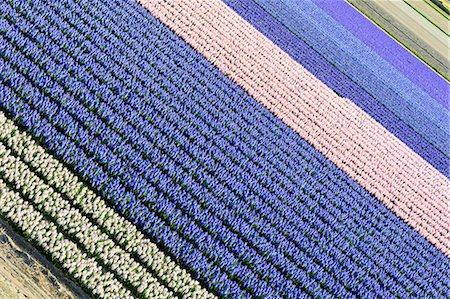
(22,210)
(71,216)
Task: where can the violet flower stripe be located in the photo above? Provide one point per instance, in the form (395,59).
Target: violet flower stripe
(388,49)
(335,79)
(361,147)
(366,57)
(384,82)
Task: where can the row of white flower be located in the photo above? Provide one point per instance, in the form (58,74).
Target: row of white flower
(78,226)
(46,235)
(126,234)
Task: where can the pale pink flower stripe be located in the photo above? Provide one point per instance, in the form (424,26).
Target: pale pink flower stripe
(345,134)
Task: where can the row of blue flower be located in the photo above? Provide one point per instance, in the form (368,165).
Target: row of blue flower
(384,82)
(387,48)
(311,55)
(139,115)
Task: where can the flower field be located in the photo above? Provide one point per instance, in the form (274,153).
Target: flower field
(159,149)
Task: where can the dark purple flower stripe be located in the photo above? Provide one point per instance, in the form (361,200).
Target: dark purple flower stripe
(215,179)
(391,51)
(429,121)
(338,81)
(385,82)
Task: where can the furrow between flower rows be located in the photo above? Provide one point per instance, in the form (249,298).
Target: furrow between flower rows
(78,228)
(61,250)
(92,125)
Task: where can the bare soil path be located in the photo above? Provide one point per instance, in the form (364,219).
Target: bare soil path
(416,25)
(25,273)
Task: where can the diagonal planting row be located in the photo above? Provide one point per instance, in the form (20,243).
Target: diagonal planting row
(83,217)
(99,126)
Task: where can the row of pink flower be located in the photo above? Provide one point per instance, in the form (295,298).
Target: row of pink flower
(365,150)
